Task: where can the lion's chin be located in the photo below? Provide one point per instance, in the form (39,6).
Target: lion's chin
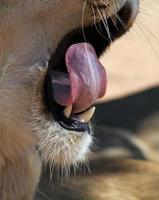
(69,150)
(63,148)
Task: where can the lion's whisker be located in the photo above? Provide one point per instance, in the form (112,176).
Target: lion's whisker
(95,24)
(117,16)
(83,11)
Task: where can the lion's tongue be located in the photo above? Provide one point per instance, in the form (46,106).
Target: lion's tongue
(85,81)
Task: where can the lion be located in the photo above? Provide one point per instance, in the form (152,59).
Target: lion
(50,78)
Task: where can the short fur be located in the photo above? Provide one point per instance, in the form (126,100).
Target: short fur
(30,35)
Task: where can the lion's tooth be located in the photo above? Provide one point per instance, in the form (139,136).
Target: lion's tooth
(86,116)
(67,111)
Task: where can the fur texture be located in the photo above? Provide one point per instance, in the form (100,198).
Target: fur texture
(30,32)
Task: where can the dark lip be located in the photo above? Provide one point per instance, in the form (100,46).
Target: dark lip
(58,114)
(57,62)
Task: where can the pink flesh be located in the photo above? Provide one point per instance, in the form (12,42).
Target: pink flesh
(85,81)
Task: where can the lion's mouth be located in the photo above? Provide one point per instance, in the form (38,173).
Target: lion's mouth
(84,81)
(75,87)
(75,77)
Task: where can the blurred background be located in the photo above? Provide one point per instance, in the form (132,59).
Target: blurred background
(132,63)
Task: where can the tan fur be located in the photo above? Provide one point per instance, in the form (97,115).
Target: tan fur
(29,33)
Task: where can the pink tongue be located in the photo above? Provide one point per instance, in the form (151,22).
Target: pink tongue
(85,81)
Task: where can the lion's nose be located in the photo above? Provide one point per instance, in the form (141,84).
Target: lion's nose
(133,5)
